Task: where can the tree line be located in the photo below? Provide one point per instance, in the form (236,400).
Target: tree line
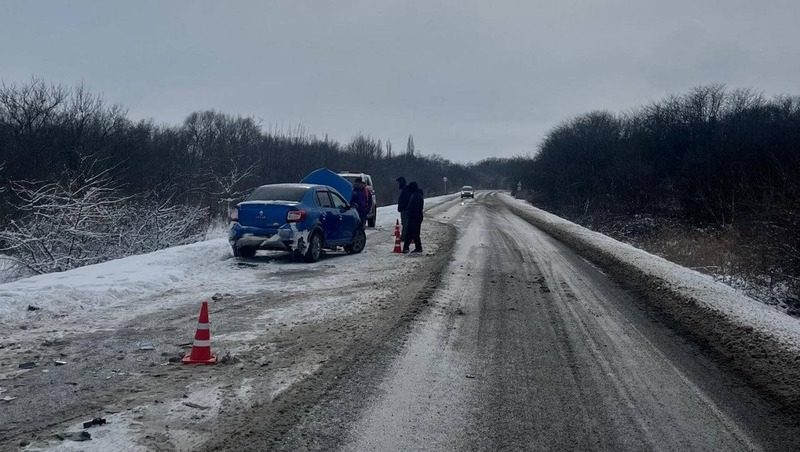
(728,159)
(64,150)
(92,184)
(46,130)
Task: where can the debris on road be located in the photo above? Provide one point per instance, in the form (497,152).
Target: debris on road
(27,365)
(7,399)
(59,362)
(33,308)
(93,422)
(228,359)
(217,296)
(194,405)
(74,436)
(146,345)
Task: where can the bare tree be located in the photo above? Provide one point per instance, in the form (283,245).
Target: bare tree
(84,219)
(65,224)
(31,106)
(410,146)
(229,185)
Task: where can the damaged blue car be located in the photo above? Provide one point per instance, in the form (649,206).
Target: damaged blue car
(303,219)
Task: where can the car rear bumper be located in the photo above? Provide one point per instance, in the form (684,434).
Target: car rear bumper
(286,238)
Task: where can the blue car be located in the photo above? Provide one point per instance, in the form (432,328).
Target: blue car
(300,218)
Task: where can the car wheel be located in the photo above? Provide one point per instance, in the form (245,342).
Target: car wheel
(314,250)
(245,251)
(359,242)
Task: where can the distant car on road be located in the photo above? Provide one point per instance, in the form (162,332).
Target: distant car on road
(467,192)
(351,177)
(299,218)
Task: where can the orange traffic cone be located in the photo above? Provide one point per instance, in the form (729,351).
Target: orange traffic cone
(397,229)
(397,248)
(201,348)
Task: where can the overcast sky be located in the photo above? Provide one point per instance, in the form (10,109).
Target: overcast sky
(469,79)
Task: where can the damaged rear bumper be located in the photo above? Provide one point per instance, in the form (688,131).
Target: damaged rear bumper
(285,238)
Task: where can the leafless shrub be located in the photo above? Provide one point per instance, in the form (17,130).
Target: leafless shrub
(82,219)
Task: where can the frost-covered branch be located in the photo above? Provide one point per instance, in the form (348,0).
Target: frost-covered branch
(84,219)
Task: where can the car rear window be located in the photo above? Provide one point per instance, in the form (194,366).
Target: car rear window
(367,180)
(277,193)
(466,187)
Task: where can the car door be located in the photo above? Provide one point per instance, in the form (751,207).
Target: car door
(348,218)
(329,215)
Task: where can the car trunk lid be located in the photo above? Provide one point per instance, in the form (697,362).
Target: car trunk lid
(264,214)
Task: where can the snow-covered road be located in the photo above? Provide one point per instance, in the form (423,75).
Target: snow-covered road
(503,338)
(101,319)
(528,346)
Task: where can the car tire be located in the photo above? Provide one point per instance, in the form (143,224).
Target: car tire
(359,242)
(314,250)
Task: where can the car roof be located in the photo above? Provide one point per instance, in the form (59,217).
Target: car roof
(301,185)
(348,173)
(292,184)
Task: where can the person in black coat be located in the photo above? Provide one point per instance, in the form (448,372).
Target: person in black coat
(416,203)
(402,205)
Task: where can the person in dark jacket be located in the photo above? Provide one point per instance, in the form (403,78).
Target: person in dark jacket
(402,205)
(416,203)
(360,201)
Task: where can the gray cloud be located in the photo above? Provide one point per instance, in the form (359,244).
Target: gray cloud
(468,79)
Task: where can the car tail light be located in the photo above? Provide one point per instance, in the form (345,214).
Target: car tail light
(295,216)
(233,214)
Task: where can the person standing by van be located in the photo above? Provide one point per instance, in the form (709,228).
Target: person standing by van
(402,206)
(361,200)
(416,204)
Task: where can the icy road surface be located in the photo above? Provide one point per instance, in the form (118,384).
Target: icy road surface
(498,337)
(527,346)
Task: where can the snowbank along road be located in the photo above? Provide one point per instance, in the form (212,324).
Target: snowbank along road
(499,337)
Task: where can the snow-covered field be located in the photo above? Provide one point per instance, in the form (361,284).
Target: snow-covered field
(125,298)
(113,292)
